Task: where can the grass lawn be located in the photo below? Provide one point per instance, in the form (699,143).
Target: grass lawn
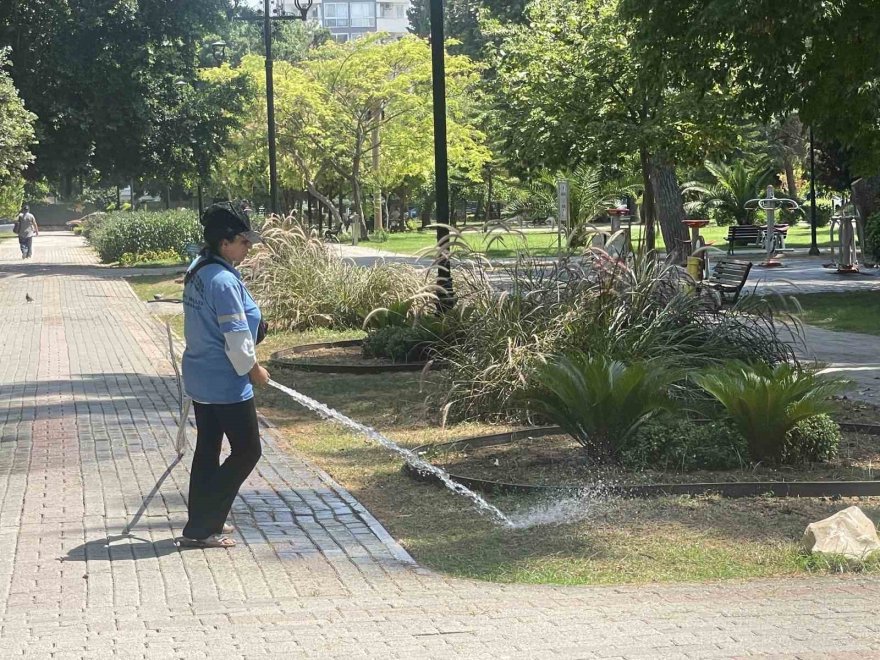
(851,312)
(495,244)
(668,539)
(156,263)
(544,243)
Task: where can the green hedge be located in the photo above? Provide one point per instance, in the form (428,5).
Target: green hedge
(144,231)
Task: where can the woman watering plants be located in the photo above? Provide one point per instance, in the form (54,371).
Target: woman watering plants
(222,325)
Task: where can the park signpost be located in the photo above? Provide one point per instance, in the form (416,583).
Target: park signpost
(563,202)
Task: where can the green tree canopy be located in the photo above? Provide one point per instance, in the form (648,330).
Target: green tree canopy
(819,59)
(571,88)
(333,105)
(102,77)
(17,131)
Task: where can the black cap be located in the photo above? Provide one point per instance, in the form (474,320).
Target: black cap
(228,220)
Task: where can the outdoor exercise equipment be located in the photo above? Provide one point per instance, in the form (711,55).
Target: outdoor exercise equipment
(618,244)
(769,205)
(848,259)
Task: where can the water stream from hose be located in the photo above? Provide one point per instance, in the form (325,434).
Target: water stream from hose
(419,464)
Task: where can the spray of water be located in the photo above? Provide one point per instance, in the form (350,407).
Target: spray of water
(582,505)
(372,434)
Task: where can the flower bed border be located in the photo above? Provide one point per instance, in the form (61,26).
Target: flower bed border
(282,358)
(729,490)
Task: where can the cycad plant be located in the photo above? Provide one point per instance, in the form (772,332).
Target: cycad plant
(734,185)
(600,402)
(766,402)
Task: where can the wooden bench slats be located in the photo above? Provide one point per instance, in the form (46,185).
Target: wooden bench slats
(728,278)
(751,234)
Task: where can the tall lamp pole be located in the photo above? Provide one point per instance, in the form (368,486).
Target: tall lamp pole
(814,246)
(441,158)
(303,6)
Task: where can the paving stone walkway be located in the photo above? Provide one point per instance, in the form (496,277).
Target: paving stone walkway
(86,431)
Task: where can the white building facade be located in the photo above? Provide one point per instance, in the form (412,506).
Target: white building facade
(349,19)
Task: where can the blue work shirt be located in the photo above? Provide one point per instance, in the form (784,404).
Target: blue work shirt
(216,302)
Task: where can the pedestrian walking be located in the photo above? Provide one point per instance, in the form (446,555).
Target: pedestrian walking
(222,325)
(26,228)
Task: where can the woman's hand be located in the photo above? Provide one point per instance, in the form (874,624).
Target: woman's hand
(259,376)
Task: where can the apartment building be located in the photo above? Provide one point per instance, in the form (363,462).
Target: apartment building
(348,19)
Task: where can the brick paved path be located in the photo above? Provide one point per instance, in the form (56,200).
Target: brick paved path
(87,431)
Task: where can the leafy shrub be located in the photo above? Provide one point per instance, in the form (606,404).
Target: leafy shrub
(524,313)
(872,236)
(812,440)
(684,445)
(301,282)
(600,402)
(144,231)
(398,343)
(92,223)
(396,314)
(824,211)
(765,402)
(132,259)
(380,236)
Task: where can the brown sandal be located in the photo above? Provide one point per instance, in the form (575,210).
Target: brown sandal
(213,541)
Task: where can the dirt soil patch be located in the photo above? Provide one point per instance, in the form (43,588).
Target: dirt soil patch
(559,461)
(335,355)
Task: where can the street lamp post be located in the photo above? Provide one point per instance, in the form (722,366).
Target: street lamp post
(303,6)
(441,158)
(814,246)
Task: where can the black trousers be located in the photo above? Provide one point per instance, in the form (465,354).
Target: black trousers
(212,486)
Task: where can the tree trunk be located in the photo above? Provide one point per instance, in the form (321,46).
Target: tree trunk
(326,201)
(866,199)
(866,195)
(790,180)
(669,206)
(489,191)
(648,207)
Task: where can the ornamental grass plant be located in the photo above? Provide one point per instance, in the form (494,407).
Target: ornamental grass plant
(524,313)
(302,283)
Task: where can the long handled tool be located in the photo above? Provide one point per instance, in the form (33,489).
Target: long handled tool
(184,405)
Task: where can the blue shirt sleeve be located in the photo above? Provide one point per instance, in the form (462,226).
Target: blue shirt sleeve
(228,305)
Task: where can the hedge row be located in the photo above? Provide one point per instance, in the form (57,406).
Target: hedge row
(120,233)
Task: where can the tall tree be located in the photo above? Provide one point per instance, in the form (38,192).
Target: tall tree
(819,59)
(17,131)
(333,106)
(571,89)
(100,76)
(464,20)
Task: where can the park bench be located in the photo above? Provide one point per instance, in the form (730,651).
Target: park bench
(728,278)
(754,235)
(748,234)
